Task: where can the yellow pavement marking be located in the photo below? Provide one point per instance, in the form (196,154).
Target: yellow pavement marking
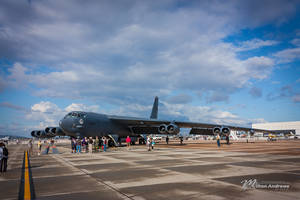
(27,194)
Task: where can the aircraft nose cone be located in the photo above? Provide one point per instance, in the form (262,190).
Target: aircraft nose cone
(66,124)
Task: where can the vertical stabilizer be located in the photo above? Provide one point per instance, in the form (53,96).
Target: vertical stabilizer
(154,109)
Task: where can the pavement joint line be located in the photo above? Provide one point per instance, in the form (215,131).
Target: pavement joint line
(97,179)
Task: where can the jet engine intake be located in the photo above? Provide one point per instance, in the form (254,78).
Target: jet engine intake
(57,131)
(49,132)
(173,129)
(225,130)
(33,133)
(216,130)
(162,129)
(53,131)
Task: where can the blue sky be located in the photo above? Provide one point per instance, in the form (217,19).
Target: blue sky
(234,63)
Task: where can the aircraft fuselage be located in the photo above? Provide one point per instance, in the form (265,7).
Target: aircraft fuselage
(92,124)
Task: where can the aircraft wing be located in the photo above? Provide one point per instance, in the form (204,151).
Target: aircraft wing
(142,122)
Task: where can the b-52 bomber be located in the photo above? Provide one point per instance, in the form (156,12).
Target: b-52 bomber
(80,124)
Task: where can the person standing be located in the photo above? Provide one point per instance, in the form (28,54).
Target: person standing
(30,147)
(101,144)
(90,145)
(152,144)
(47,147)
(1,156)
(39,147)
(128,140)
(96,144)
(167,140)
(104,143)
(78,146)
(227,139)
(73,145)
(149,143)
(218,140)
(86,144)
(83,144)
(4,158)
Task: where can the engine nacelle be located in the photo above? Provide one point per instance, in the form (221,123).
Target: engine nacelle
(217,130)
(252,132)
(38,133)
(57,131)
(221,130)
(42,133)
(33,133)
(225,130)
(173,129)
(162,129)
(49,133)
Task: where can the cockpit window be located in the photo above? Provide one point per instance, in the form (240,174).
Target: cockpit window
(76,114)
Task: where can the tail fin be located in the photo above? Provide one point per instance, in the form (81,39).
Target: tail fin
(154,109)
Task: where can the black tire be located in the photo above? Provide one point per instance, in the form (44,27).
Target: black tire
(111,143)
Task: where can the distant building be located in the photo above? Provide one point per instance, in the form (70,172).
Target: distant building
(279,126)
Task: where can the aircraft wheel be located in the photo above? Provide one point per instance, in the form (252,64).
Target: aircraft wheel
(111,143)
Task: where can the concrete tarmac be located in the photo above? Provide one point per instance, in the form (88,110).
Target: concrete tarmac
(165,173)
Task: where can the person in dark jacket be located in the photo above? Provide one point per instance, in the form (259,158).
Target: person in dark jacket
(227,139)
(3,157)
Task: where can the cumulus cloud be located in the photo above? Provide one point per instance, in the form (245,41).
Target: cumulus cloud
(255,44)
(204,114)
(288,55)
(117,50)
(82,107)
(45,107)
(46,113)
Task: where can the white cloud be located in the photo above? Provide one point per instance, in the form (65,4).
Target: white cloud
(204,114)
(82,107)
(47,113)
(296,42)
(45,107)
(115,51)
(288,55)
(255,44)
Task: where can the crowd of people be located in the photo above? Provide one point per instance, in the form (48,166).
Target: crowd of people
(89,145)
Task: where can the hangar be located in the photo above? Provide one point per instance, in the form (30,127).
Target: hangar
(294,125)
